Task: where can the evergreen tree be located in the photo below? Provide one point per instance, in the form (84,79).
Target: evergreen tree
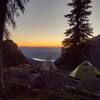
(80,30)
(8,10)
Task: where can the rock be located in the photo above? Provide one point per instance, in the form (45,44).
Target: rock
(12,56)
(52,80)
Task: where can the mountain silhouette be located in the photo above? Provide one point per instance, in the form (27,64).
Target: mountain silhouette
(12,56)
(72,58)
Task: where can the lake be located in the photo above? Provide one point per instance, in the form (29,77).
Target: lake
(41,52)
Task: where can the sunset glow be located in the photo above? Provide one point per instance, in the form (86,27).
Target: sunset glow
(23,44)
(43,23)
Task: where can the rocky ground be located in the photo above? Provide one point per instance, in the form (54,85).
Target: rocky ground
(27,82)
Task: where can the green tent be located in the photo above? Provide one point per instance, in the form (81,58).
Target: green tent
(85,71)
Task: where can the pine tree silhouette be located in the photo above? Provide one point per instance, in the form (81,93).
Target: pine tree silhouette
(79,27)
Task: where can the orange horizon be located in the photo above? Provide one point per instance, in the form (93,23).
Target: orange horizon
(41,46)
(47,45)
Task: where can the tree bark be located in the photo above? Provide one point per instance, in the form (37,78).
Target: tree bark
(1,66)
(3,11)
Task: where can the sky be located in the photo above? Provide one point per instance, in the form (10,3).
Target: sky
(43,23)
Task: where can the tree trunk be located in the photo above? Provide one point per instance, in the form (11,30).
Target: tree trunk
(1,54)
(1,66)
(3,11)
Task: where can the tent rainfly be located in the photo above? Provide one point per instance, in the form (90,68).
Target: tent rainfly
(48,65)
(85,71)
